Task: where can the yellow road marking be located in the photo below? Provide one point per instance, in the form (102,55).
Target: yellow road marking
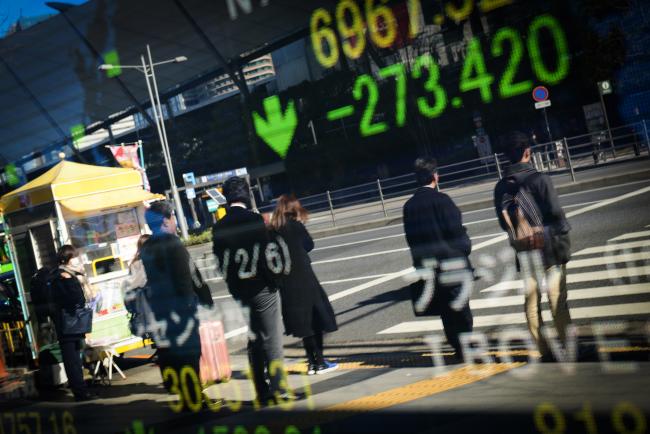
(400,395)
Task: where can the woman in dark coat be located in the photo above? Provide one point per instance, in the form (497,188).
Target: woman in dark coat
(69,295)
(306,310)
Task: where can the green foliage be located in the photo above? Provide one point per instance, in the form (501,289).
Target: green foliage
(196,239)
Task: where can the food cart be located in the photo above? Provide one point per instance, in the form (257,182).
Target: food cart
(100,211)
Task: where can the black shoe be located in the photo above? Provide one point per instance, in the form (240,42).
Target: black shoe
(85,396)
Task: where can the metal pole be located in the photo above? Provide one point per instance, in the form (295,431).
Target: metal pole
(250,193)
(381,197)
(647,138)
(609,130)
(568,159)
(313,131)
(141,151)
(496,162)
(177,199)
(548,127)
(329,201)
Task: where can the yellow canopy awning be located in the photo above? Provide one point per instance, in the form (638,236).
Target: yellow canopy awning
(68,180)
(98,202)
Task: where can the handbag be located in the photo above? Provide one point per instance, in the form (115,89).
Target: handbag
(78,322)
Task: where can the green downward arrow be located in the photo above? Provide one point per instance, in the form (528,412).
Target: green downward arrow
(278,128)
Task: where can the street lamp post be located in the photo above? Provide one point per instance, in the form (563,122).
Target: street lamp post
(147,68)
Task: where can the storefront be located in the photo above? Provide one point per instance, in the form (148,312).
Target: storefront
(100,211)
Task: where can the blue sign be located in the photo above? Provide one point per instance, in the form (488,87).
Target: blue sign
(540,93)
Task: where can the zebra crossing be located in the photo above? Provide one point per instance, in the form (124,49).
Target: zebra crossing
(605,282)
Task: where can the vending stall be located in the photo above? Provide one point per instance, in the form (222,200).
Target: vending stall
(100,211)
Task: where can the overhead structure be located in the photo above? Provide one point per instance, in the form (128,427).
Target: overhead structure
(48,73)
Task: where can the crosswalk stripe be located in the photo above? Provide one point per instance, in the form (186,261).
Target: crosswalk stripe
(613,247)
(612,259)
(366,255)
(589,276)
(632,235)
(352,279)
(592,312)
(573,294)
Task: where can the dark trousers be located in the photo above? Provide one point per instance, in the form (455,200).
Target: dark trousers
(265,346)
(71,354)
(179,368)
(314,348)
(456,322)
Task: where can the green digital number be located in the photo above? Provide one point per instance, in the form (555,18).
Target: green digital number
(431,85)
(540,69)
(367,128)
(398,71)
(475,64)
(507,88)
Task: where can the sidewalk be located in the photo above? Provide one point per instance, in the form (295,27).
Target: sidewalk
(369,393)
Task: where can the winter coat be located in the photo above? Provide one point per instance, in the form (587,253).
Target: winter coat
(434,227)
(239,242)
(557,246)
(306,309)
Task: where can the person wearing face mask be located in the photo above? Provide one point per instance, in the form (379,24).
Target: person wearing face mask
(70,295)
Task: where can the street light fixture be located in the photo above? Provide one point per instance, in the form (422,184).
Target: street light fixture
(147,68)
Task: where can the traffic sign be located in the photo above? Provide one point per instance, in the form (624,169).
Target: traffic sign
(189,178)
(543,104)
(190,193)
(540,93)
(605,87)
(216,196)
(212,205)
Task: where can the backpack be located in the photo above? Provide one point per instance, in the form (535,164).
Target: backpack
(42,294)
(523,217)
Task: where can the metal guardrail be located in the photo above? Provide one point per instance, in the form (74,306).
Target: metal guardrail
(564,155)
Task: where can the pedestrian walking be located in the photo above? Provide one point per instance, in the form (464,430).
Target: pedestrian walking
(306,310)
(173,303)
(529,210)
(70,297)
(241,244)
(437,239)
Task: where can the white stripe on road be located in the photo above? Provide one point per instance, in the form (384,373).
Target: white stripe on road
(365,255)
(607,311)
(613,259)
(370,284)
(352,279)
(613,247)
(219,297)
(236,332)
(495,240)
(590,276)
(631,235)
(359,242)
(573,294)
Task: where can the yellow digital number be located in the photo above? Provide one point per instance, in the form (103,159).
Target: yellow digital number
(68,423)
(626,408)
(490,5)
(175,389)
(415,10)
(189,372)
(353,34)
(586,415)
(548,409)
(385,38)
(274,367)
(459,14)
(320,34)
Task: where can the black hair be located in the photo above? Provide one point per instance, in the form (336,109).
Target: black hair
(425,169)
(516,144)
(65,254)
(156,213)
(235,189)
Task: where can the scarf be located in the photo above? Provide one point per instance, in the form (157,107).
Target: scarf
(88,289)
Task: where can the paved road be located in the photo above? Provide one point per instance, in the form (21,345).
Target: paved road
(362,272)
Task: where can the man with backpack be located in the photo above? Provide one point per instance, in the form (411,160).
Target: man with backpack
(529,210)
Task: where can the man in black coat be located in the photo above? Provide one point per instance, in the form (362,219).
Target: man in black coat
(550,270)
(434,232)
(173,302)
(240,241)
